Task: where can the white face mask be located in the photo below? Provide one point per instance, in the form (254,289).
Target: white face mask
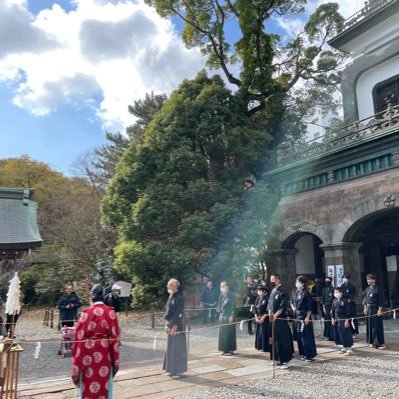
(345,280)
(170,291)
(223,290)
(338,296)
(298,285)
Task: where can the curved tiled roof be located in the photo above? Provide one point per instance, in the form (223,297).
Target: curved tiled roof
(18,220)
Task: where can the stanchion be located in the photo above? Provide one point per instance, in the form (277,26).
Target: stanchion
(273,346)
(188,333)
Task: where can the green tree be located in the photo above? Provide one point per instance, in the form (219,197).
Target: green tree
(269,69)
(175,193)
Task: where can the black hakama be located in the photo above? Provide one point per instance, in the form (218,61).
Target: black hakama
(283,345)
(306,342)
(227,335)
(345,334)
(175,361)
(262,338)
(375,327)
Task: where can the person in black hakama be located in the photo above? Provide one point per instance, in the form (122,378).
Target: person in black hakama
(373,302)
(349,292)
(227,330)
(326,300)
(340,317)
(262,327)
(175,362)
(302,308)
(277,308)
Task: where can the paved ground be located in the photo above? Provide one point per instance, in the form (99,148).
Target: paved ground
(213,376)
(47,376)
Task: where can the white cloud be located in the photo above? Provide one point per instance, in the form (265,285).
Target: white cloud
(103,53)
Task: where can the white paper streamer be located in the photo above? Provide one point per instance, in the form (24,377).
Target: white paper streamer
(37,350)
(353,323)
(394,314)
(242,325)
(302,326)
(154,345)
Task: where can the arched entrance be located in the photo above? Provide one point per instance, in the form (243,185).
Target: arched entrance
(378,234)
(308,255)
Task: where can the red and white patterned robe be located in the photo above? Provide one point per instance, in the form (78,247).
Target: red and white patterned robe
(95,352)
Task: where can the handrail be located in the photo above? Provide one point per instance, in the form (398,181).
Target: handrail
(369,8)
(342,137)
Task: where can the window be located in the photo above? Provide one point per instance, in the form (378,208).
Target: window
(385,92)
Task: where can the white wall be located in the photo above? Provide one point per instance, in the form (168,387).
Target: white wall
(304,258)
(367,81)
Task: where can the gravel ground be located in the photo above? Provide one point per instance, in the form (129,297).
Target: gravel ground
(363,376)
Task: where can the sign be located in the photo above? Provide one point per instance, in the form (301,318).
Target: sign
(125,288)
(336,272)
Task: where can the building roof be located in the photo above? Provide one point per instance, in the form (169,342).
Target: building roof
(18,220)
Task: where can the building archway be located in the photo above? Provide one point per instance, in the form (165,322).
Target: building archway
(378,234)
(309,257)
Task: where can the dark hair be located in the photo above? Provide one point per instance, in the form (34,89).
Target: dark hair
(302,279)
(338,289)
(225,283)
(261,288)
(347,275)
(330,278)
(276,275)
(371,277)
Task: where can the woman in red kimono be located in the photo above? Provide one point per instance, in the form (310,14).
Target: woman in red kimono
(95,354)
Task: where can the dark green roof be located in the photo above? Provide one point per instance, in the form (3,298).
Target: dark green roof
(18,220)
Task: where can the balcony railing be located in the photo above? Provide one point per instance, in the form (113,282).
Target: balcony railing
(347,136)
(369,8)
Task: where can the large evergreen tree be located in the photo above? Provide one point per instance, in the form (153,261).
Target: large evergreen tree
(175,194)
(177,199)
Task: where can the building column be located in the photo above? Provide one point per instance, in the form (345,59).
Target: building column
(346,254)
(282,261)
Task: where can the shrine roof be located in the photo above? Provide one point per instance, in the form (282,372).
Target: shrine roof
(18,220)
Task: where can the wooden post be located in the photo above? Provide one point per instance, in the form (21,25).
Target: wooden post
(153,318)
(51,318)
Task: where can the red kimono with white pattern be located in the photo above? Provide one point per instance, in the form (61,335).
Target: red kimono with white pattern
(95,353)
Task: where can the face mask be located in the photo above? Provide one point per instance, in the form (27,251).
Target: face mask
(273,284)
(223,290)
(345,280)
(298,285)
(260,293)
(170,291)
(370,282)
(338,296)
(328,282)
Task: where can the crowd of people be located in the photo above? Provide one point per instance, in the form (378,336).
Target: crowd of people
(279,319)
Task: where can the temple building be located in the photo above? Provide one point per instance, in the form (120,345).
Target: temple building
(339,198)
(19,232)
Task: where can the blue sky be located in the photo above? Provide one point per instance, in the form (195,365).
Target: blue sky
(68,70)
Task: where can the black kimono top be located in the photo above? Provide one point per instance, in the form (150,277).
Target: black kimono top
(302,301)
(373,297)
(327,296)
(260,307)
(341,309)
(348,291)
(278,300)
(174,311)
(226,305)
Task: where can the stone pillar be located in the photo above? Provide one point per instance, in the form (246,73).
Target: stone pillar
(346,254)
(283,262)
